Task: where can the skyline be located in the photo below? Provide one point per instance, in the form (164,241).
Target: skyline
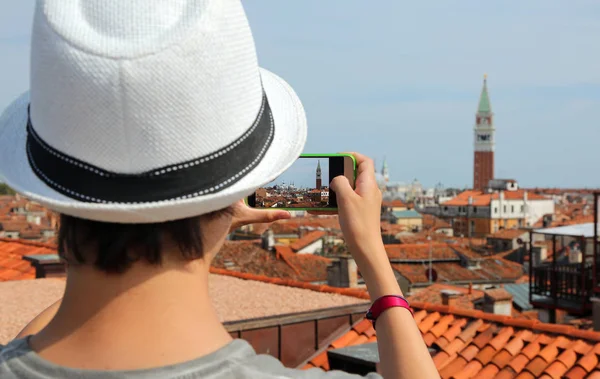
(403,80)
(303,173)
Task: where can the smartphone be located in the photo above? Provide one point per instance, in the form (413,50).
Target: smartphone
(305,185)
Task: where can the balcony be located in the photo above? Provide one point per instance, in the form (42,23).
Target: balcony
(564,286)
(568,279)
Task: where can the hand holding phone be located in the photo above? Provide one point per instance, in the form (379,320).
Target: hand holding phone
(305,185)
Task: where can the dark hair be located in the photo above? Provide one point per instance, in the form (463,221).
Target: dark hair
(113,247)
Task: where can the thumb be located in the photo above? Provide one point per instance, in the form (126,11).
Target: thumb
(260,216)
(342,187)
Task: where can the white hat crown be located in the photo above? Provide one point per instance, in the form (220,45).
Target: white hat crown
(143,111)
(130,99)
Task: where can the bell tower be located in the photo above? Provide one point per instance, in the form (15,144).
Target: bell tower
(319,175)
(385,171)
(483,167)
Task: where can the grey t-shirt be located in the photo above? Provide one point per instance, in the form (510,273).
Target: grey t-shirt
(236,360)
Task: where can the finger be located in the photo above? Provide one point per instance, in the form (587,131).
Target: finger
(342,187)
(322,213)
(258,216)
(357,156)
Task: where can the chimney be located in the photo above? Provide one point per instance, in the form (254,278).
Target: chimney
(498,301)
(450,297)
(349,272)
(342,272)
(333,273)
(47,266)
(268,240)
(470,288)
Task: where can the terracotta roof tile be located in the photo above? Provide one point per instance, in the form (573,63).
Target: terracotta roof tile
(589,361)
(453,367)
(488,371)
(485,337)
(514,346)
(428,322)
(502,338)
(556,370)
(433,295)
(470,352)
(549,353)
(441,326)
(576,372)
(394,204)
(536,366)
(442,358)
(307,240)
(470,331)
(502,358)
(487,345)
(486,354)
(480,198)
(469,371)
(454,347)
(518,363)
(12,251)
(498,294)
(451,333)
(508,234)
(439,251)
(490,269)
(525,375)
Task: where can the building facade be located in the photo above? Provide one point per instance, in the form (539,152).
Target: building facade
(477,213)
(483,164)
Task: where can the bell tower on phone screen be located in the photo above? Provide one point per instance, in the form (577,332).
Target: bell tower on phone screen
(483,167)
(318,185)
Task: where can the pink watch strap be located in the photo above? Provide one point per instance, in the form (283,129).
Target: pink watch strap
(384,303)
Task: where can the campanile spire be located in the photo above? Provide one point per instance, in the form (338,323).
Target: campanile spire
(483,167)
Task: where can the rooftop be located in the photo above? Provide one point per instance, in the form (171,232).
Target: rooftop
(249,257)
(578,230)
(474,344)
(235,296)
(416,251)
(498,294)
(307,240)
(411,213)
(508,234)
(480,198)
(433,295)
(489,270)
(394,204)
(12,265)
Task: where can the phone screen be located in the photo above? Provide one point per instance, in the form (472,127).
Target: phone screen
(305,185)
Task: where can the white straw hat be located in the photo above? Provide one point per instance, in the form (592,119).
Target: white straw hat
(146,111)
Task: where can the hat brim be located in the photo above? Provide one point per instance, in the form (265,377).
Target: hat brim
(290,136)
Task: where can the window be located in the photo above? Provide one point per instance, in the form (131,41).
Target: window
(512,209)
(522,208)
(474,209)
(504,209)
(495,209)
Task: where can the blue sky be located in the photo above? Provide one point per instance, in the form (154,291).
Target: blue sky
(402,79)
(303,173)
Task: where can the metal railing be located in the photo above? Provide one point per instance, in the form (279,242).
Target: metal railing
(566,282)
